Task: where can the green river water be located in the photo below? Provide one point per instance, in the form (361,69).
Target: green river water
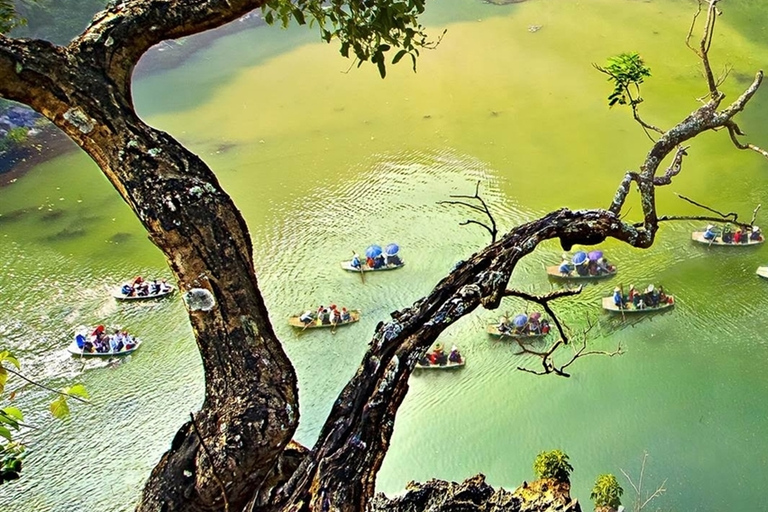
(322,161)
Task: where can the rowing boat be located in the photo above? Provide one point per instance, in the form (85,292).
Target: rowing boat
(77,347)
(119,295)
(698,236)
(347,265)
(554,271)
(762,272)
(354,316)
(610,305)
(449,365)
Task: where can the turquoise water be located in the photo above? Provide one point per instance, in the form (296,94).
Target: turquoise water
(322,161)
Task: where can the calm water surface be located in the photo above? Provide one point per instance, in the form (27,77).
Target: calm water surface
(323,161)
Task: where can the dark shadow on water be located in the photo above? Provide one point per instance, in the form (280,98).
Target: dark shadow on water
(120,238)
(13,216)
(66,234)
(51,215)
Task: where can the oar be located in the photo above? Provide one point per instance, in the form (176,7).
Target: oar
(362,273)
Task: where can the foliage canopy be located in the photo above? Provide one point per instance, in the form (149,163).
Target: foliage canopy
(553,464)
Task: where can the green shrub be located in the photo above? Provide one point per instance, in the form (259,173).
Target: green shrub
(607,492)
(552,464)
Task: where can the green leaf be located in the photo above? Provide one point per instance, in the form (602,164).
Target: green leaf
(13,412)
(77,390)
(400,55)
(6,433)
(3,377)
(299,16)
(60,408)
(382,68)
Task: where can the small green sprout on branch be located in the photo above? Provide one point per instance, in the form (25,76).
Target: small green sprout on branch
(626,72)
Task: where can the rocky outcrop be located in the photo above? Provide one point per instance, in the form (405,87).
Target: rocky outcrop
(475,495)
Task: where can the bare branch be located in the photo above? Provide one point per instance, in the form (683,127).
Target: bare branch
(483,208)
(730,216)
(734,131)
(43,386)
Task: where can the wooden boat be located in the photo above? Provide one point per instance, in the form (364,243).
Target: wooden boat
(609,305)
(493,330)
(347,265)
(119,295)
(76,349)
(698,236)
(554,271)
(354,315)
(447,366)
(762,272)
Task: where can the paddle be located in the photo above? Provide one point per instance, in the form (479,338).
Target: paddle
(362,273)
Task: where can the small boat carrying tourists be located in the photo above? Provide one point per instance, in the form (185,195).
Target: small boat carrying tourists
(647,301)
(330,316)
(98,343)
(139,288)
(592,265)
(522,326)
(376,258)
(742,236)
(437,359)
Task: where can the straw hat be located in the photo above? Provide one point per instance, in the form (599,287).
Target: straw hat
(755,229)
(710,226)
(454,348)
(650,287)
(617,289)
(438,347)
(631,287)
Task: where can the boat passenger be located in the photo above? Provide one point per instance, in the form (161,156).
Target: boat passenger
(345,316)
(618,298)
(454,356)
(129,341)
(306,317)
(582,269)
(154,287)
(565,267)
(325,317)
(334,314)
(651,296)
(164,286)
(737,237)
(755,234)
(534,325)
(709,233)
(744,236)
(355,260)
(663,299)
(394,259)
(437,356)
(378,261)
(602,266)
(727,235)
(369,262)
(126,290)
(503,325)
(592,268)
(545,326)
(115,342)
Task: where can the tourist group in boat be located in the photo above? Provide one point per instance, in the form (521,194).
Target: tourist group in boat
(99,342)
(140,288)
(437,358)
(582,264)
(729,236)
(376,258)
(521,325)
(325,316)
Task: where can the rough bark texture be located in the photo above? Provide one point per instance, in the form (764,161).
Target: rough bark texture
(251,411)
(475,495)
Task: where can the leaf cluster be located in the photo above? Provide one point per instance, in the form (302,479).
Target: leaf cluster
(625,70)
(366,29)
(607,492)
(553,464)
(9,18)
(12,452)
